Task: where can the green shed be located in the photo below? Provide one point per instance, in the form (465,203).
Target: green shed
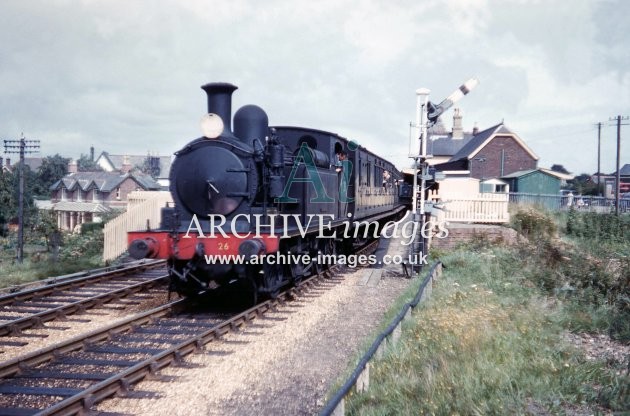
(534,181)
(536,186)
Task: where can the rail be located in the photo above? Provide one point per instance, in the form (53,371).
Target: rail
(15,326)
(360,375)
(81,401)
(75,280)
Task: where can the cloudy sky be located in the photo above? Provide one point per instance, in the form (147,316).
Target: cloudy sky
(124,76)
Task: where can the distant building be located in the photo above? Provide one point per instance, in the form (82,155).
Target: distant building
(5,166)
(81,197)
(610,181)
(32,162)
(491,153)
(125,163)
(624,178)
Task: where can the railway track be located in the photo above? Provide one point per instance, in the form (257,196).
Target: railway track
(73,376)
(33,306)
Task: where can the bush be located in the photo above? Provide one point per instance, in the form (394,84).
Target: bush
(534,223)
(84,245)
(88,227)
(605,227)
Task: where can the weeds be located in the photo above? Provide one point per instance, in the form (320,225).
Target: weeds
(490,340)
(534,223)
(78,252)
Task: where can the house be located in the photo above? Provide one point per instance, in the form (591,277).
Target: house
(32,162)
(624,178)
(81,197)
(161,165)
(442,145)
(609,181)
(491,153)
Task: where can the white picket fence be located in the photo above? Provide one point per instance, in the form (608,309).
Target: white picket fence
(480,208)
(143,209)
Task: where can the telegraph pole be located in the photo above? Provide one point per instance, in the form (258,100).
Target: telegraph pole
(618,178)
(599,149)
(22,147)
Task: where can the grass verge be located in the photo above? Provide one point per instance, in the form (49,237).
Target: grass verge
(30,271)
(78,252)
(490,341)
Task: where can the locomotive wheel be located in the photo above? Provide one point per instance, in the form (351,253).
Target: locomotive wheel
(251,289)
(272,280)
(297,273)
(327,248)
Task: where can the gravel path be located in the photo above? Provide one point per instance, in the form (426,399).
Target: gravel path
(282,364)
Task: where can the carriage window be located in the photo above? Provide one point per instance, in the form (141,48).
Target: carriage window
(378,175)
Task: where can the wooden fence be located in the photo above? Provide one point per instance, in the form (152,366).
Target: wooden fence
(143,210)
(480,208)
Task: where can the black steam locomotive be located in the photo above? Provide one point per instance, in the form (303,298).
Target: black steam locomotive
(244,197)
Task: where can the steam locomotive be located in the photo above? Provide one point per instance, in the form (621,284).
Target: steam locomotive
(256,191)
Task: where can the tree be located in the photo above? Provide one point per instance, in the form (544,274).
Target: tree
(9,194)
(86,164)
(151,166)
(8,200)
(52,169)
(559,168)
(584,185)
(45,224)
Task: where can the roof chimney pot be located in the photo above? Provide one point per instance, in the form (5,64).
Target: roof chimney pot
(458,130)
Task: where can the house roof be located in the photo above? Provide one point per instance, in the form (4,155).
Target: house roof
(445,145)
(625,170)
(494,182)
(564,176)
(518,174)
(116,162)
(103,181)
(43,204)
(549,172)
(79,207)
(474,145)
(32,162)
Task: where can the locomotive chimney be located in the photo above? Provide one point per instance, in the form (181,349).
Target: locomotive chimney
(220,101)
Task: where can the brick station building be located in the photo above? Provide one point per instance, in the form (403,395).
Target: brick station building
(491,153)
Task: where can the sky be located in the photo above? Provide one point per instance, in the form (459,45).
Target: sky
(124,76)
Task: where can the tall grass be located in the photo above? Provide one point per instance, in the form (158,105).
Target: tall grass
(490,341)
(79,252)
